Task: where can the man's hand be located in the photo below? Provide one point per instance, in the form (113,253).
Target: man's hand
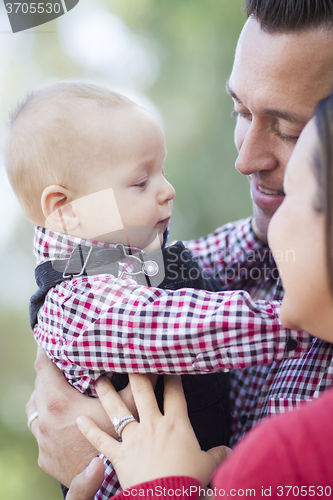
(85,485)
(63,451)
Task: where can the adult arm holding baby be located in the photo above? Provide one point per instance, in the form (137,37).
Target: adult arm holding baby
(51,386)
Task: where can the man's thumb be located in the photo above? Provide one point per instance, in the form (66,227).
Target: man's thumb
(85,485)
(219,454)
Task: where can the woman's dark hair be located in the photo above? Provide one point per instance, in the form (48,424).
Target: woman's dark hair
(285,16)
(324,171)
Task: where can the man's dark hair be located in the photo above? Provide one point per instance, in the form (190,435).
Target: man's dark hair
(285,16)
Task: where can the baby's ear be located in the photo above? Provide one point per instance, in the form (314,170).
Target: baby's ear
(58,210)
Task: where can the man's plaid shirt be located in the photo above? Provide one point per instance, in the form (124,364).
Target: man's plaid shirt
(300,374)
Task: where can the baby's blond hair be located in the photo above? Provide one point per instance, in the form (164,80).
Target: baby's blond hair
(40,148)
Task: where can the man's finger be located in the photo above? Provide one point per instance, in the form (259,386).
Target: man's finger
(98,438)
(35,428)
(44,363)
(31,405)
(85,485)
(30,409)
(219,454)
(41,358)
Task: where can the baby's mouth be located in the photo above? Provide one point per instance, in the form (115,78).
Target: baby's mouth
(163,222)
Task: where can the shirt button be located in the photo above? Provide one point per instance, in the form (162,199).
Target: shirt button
(243,419)
(291,345)
(150,268)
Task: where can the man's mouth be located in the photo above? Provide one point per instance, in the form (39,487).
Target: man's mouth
(270,191)
(266,199)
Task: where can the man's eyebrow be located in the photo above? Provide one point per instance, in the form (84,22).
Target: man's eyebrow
(232,93)
(284,115)
(289,117)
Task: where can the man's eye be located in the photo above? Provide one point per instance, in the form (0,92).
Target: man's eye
(287,138)
(235,113)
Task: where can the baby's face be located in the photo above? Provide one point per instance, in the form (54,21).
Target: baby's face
(123,187)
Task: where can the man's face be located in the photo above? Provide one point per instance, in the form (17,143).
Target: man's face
(276,81)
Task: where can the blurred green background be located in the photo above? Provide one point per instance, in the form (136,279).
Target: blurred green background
(173,56)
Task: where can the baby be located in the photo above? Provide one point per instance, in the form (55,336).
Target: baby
(87,165)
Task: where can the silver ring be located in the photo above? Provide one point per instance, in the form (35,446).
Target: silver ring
(32,417)
(120,423)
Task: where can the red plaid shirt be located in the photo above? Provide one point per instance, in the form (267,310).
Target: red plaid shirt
(96,324)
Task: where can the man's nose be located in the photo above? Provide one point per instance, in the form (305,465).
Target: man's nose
(255,151)
(166,192)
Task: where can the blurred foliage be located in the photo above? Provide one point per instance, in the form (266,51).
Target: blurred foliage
(20,476)
(194,42)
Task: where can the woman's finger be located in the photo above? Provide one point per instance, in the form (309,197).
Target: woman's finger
(98,438)
(114,405)
(110,399)
(174,399)
(144,396)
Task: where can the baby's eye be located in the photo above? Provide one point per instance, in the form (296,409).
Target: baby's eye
(142,184)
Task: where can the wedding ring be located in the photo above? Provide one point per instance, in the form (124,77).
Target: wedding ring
(32,417)
(120,423)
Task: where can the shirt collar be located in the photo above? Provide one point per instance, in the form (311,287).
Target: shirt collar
(50,245)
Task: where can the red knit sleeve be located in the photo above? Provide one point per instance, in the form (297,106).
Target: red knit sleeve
(169,488)
(289,450)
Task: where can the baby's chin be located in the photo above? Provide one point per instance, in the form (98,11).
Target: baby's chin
(146,238)
(289,317)
(155,245)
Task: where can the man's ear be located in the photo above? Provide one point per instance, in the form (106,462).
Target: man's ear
(58,210)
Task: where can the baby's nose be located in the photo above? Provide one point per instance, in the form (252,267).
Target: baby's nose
(170,191)
(166,193)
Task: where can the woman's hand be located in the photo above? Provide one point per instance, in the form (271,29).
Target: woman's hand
(158,446)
